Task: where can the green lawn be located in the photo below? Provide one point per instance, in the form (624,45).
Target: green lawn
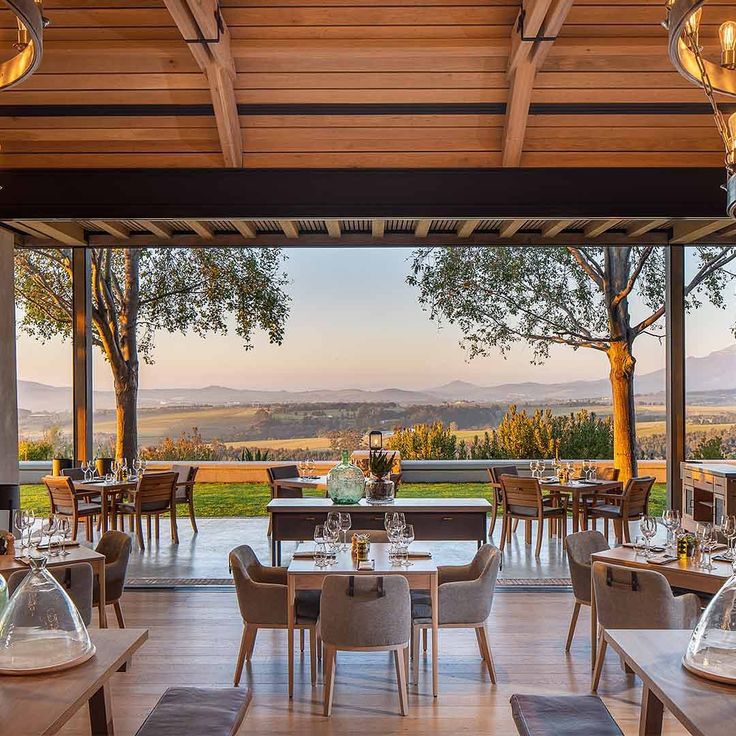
(250,499)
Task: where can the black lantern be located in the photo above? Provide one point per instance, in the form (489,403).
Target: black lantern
(375,440)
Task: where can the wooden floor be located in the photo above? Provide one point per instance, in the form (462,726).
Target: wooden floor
(194,637)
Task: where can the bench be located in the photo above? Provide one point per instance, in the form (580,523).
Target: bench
(197,711)
(553,715)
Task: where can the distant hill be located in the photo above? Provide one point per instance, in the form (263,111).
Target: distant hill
(715,373)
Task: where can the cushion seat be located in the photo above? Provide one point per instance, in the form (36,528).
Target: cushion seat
(608,510)
(195,710)
(571,715)
(421,607)
(307,606)
(532,512)
(129,508)
(83,507)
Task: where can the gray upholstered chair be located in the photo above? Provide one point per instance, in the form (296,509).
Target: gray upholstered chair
(263,600)
(465,597)
(637,599)
(186,476)
(116,547)
(579,547)
(75,579)
(366,613)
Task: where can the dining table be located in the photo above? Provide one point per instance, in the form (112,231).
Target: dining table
(304,574)
(685,574)
(76,554)
(40,705)
(109,491)
(703,707)
(577,489)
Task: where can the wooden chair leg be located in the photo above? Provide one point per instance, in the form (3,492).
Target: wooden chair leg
(174,527)
(301,640)
(540,534)
(415,653)
(573,624)
(75,528)
(504,533)
(241,656)
(401,681)
(119,614)
(252,634)
(157,530)
(493,515)
(313,654)
(624,527)
(605,528)
(485,650)
(139,531)
(516,526)
(88,527)
(602,646)
(329,678)
(192,518)
(148,526)
(528,531)
(424,640)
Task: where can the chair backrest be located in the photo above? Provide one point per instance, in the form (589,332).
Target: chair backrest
(116,547)
(184,474)
(73,473)
(521,494)
(496,471)
(636,495)
(579,547)
(75,579)
(370,617)
(61,493)
(155,491)
(608,473)
(633,599)
(279,472)
(259,603)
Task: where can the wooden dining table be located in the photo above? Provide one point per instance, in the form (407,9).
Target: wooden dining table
(40,705)
(110,492)
(77,554)
(703,707)
(304,574)
(685,574)
(577,490)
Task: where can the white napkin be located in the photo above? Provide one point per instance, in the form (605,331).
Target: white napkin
(366,565)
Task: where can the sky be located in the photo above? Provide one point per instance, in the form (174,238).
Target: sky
(355,323)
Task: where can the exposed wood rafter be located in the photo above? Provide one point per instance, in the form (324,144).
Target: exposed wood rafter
(289,228)
(421,229)
(378,227)
(510,227)
(598,227)
(201,228)
(333,228)
(116,229)
(244,228)
(159,229)
(687,232)
(641,228)
(66,233)
(466,228)
(555,227)
(200,22)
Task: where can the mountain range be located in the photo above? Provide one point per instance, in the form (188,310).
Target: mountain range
(715,372)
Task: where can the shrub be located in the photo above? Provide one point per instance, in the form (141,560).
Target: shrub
(424,442)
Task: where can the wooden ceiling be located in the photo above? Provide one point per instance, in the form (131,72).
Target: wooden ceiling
(356,83)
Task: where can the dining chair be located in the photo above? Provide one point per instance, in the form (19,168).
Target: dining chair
(185,478)
(152,497)
(66,501)
(73,473)
(621,508)
(637,599)
(579,548)
(277,473)
(523,500)
(263,601)
(494,474)
(365,613)
(116,547)
(464,598)
(609,473)
(75,579)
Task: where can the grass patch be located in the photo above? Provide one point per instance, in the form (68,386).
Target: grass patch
(218,500)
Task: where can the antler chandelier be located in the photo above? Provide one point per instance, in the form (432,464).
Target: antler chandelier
(28,47)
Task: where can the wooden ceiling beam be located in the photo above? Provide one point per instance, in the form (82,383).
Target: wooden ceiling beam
(510,227)
(117,229)
(466,228)
(159,229)
(542,18)
(688,232)
(289,228)
(201,228)
(637,229)
(596,228)
(333,228)
(246,229)
(378,228)
(25,228)
(201,19)
(422,227)
(67,233)
(555,227)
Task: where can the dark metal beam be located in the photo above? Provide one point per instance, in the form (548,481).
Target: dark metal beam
(512,193)
(675,370)
(82,354)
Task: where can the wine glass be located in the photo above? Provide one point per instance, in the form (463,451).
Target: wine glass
(332,537)
(301,468)
(345,524)
(671,521)
(728,529)
(320,554)
(48,527)
(708,539)
(64,529)
(20,522)
(407,537)
(319,534)
(533,468)
(30,523)
(585,470)
(309,467)
(648,528)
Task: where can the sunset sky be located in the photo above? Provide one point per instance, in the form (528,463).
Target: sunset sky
(355,323)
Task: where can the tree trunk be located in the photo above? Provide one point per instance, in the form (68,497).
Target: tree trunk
(622,364)
(126,412)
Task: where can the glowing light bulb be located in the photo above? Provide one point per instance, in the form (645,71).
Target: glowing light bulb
(693,23)
(731,155)
(727,34)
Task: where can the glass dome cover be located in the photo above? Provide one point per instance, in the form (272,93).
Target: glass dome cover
(41,629)
(345,482)
(712,649)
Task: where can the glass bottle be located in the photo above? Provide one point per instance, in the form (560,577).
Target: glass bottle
(41,629)
(3,594)
(712,649)
(345,482)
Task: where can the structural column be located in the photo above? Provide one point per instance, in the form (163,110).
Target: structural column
(675,370)
(82,354)
(9,475)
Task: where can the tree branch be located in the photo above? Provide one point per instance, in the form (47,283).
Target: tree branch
(589,266)
(633,277)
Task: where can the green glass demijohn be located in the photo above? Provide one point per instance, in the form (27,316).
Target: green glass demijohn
(345,482)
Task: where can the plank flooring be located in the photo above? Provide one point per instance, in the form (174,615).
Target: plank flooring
(194,638)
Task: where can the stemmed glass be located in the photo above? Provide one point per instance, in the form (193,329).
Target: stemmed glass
(301,467)
(332,537)
(22,521)
(309,467)
(708,538)
(648,528)
(64,530)
(533,467)
(406,538)
(586,469)
(48,528)
(671,521)
(728,529)
(345,523)
(115,467)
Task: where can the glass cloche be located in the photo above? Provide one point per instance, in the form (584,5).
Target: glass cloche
(41,629)
(345,482)
(712,649)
